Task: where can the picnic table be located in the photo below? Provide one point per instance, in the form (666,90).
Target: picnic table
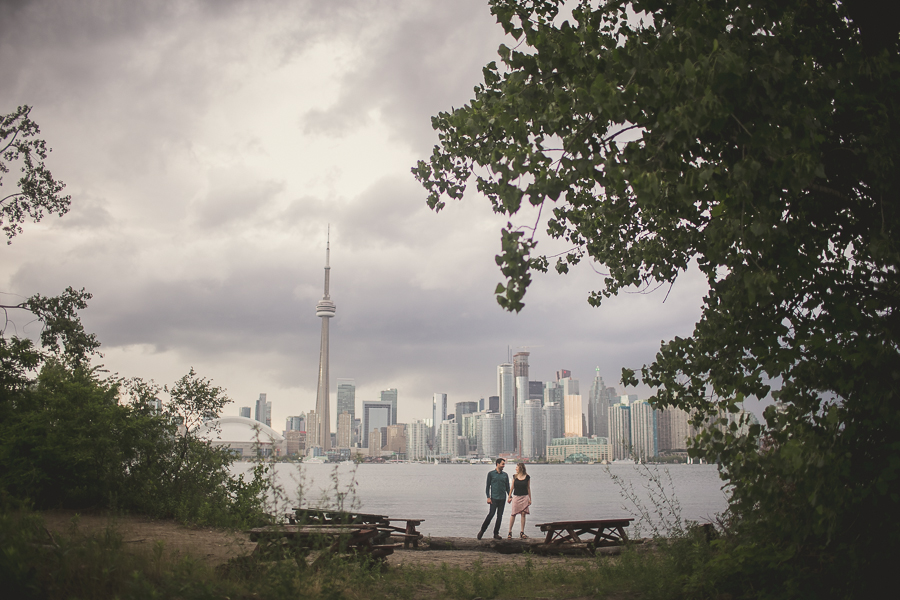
(595,533)
(362,539)
(406,528)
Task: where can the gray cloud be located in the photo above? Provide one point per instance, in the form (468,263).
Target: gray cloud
(208,146)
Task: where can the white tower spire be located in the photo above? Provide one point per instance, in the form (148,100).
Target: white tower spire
(324,309)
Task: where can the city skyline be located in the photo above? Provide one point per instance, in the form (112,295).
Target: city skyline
(206,150)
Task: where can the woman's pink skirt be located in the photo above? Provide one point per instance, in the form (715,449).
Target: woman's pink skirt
(520,505)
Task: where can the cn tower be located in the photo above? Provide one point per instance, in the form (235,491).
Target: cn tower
(324,309)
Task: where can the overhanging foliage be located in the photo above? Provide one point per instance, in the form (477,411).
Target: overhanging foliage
(758,139)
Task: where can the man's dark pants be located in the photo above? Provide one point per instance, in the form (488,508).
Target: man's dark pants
(496,506)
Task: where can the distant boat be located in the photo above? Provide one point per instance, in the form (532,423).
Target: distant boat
(314,460)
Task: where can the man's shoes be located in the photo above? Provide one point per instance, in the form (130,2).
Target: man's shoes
(497,536)
(480,534)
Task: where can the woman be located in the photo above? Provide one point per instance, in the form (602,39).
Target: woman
(520,498)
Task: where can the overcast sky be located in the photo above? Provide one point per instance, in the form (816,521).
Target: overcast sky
(208,145)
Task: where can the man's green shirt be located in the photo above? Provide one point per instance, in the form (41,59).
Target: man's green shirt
(497,485)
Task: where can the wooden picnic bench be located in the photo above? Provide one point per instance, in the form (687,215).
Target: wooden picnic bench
(360,539)
(595,533)
(324,516)
(407,531)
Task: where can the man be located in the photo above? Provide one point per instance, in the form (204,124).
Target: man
(496,490)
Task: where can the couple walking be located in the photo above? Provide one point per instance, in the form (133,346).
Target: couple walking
(496,490)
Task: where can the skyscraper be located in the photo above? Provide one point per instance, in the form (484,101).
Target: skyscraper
(324,309)
(416,440)
(391,396)
(263,410)
(491,434)
(674,429)
(644,433)
(520,373)
(619,431)
(553,422)
(532,429)
(375,416)
(572,412)
(464,408)
(346,397)
(598,408)
(438,415)
(344,430)
(506,390)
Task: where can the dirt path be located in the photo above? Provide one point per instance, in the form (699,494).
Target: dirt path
(215,547)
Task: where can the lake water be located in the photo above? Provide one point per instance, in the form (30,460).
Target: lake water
(451,498)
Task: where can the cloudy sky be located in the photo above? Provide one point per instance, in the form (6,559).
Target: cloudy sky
(207,146)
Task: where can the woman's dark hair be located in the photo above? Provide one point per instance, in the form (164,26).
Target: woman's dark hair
(522,466)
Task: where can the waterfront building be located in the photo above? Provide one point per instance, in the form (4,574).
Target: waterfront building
(619,431)
(644,442)
(313,430)
(462,446)
(417,440)
(491,435)
(506,390)
(293,442)
(573,414)
(674,429)
(447,437)
(578,449)
(246,438)
(346,397)
(245,412)
(375,415)
(374,439)
(396,438)
(467,428)
(554,426)
(297,423)
(532,430)
(325,310)
(391,396)
(344,430)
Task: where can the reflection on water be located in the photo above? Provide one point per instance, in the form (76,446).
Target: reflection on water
(451,498)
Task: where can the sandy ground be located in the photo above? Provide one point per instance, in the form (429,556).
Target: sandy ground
(215,547)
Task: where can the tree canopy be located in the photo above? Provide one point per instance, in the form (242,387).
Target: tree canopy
(757,140)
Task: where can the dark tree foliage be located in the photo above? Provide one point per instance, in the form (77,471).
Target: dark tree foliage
(66,439)
(758,140)
(37,191)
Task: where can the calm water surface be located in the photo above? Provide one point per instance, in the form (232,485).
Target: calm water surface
(451,498)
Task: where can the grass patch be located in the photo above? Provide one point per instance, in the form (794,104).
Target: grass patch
(34,564)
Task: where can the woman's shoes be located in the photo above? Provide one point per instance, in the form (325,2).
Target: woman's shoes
(509,535)
(522,535)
